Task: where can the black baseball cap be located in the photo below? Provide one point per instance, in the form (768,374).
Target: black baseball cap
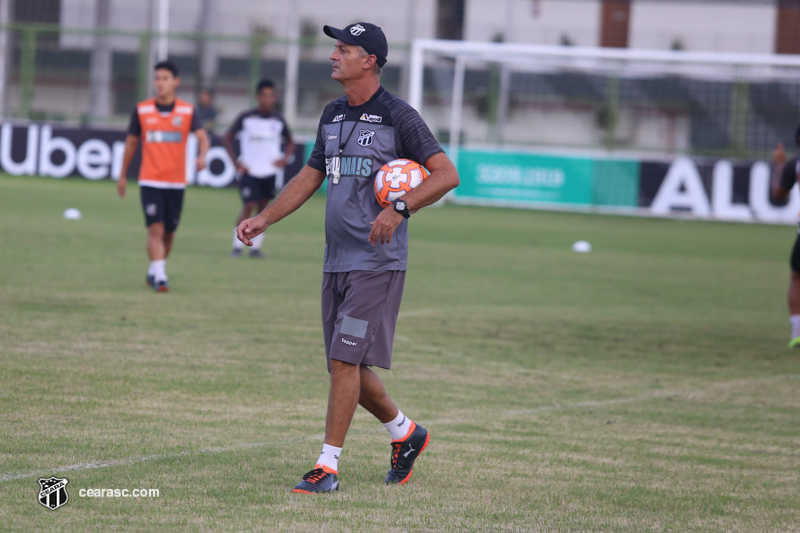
(369,36)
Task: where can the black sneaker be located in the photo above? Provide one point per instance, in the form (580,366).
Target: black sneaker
(236,252)
(317,481)
(257,254)
(161,286)
(404,452)
(150,280)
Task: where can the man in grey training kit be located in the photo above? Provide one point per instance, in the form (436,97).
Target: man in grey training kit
(366,248)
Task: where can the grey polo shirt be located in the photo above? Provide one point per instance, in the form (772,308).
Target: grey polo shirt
(383,129)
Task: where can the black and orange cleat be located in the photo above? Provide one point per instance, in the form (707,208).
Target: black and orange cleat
(161,286)
(318,481)
(150,280)
(404,453)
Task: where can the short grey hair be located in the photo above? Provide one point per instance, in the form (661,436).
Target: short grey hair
(364,53)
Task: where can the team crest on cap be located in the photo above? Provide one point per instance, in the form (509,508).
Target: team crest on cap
(357,30)
(365,137)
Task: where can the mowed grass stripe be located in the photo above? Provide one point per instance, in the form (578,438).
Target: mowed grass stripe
(10,476)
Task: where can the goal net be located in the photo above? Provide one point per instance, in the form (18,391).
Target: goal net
(620,101)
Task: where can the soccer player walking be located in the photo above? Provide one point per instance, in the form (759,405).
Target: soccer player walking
(265,146)
(784,176)
(366,247)
(163,124)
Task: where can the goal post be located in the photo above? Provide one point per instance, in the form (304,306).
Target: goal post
(603,104)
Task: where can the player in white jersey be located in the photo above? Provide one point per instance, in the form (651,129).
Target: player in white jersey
(265,148)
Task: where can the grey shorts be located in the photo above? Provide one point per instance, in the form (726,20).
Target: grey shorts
(359,313)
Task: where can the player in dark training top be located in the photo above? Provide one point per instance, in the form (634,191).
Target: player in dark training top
(265,147)
(366,246)
(784,176)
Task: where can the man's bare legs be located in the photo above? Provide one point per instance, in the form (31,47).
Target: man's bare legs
(794,308)
(159,245)
(247,209)
(352,385)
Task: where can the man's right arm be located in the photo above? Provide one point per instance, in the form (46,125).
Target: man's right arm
(295,194)
(131,143)
(227,142)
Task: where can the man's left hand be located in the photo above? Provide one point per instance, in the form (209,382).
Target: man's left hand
(200,164)
(384,225)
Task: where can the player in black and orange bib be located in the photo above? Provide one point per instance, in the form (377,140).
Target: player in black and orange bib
(162,124)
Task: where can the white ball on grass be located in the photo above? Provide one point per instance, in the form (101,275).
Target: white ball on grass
(582,247)
(72,214)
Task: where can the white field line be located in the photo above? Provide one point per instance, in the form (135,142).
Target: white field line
(10,476)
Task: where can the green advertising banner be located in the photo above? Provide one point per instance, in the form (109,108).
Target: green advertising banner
(615,183)
(509,178)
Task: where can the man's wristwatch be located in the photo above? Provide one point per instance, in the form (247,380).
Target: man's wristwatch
(401,207)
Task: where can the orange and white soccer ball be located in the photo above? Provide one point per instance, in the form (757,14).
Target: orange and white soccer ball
(396,178)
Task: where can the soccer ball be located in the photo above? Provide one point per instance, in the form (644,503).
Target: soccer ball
(396,178)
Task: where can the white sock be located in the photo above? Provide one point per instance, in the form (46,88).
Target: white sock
(398,428)
(237,244)
(795,320)
(257,241)
(158,269)
(329,458)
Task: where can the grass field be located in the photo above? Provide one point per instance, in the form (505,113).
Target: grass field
(643,387)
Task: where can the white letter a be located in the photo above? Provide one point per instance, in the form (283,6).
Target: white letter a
(682,174)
